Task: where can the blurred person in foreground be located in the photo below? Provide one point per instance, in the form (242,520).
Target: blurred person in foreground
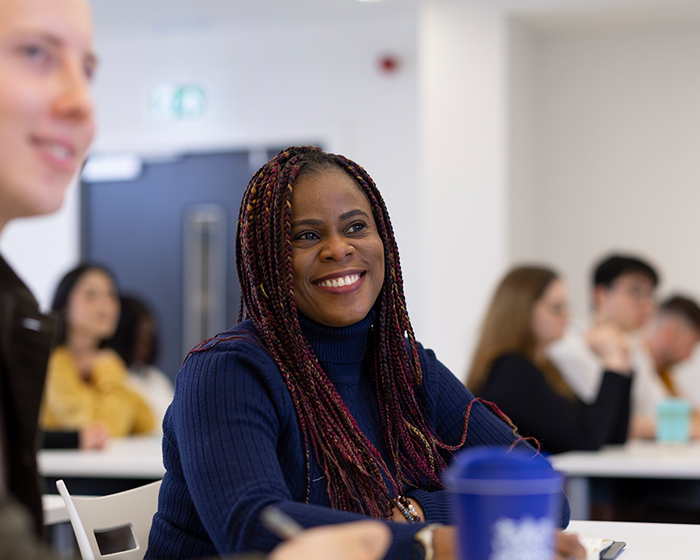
(529,311)
(46,125)
(623,302)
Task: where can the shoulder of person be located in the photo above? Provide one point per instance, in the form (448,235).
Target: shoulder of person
(240,345)
(243,337)
(513,360)
(110,355)
(60,357)
(430,364)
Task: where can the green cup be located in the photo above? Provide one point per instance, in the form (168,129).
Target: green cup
(673,421)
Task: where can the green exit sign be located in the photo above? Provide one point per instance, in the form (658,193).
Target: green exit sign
(174,102)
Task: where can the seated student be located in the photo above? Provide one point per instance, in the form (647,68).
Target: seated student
(321,402)
(87,383)
(136,342)
(623,301)
(529,310)
(669,340)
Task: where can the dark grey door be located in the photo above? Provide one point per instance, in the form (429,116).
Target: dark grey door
(145,228)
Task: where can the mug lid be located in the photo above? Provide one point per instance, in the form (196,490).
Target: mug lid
(497,463)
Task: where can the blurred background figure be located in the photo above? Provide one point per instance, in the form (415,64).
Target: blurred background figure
(623,302)
(669,340)
(87,383)
(136,342)
(528,312)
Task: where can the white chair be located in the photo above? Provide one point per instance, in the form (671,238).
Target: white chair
(114,526)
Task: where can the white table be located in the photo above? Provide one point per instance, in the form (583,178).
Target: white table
(54,509)
(636,459)
(646,541)
(131,457)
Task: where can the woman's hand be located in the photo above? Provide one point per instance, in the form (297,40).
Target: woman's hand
(567,547)
(445,543)
(93,437)
(361,540)
(612,346)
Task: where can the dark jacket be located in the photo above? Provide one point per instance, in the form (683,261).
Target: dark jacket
(25,342)
(520,389)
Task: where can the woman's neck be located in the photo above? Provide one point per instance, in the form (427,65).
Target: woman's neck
(83,349)
(539,356)
(81,345)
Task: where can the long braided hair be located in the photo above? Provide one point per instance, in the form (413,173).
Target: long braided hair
(358,478)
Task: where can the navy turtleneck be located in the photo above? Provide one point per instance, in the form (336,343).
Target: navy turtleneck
(340,350)
(341,353)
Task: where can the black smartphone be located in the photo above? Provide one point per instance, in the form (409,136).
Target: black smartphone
(612,551)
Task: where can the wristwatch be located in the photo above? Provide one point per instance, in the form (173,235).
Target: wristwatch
(423,543)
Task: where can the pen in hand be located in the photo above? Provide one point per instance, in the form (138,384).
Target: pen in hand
(279,523)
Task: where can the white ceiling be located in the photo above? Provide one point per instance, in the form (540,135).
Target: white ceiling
(120,17)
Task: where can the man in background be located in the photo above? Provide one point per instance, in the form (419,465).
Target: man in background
(623,302)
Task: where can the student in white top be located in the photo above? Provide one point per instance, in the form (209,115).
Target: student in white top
(623,302)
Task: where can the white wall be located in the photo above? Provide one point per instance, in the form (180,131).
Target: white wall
(277,83)
(463,145)
(606,156)
(282,84)
(43,249)
(615,126)
(543,122)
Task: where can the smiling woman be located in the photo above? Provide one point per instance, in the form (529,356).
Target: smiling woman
(320,402)
(337,254)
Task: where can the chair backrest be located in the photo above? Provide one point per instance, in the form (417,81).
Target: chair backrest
(114,526)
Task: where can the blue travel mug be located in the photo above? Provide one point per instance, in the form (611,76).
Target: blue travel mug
(505,504)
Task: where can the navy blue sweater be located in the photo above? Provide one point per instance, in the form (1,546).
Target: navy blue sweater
(232,444)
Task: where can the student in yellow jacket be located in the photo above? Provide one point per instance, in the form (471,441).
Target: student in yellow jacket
(87,384)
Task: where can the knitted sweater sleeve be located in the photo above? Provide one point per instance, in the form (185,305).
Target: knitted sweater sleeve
(233,420)
(447,400)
